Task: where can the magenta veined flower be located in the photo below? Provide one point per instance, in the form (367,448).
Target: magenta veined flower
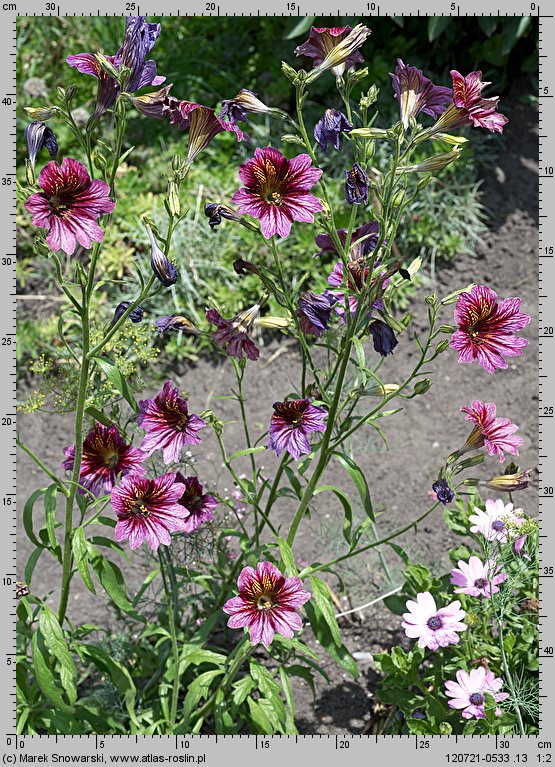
(233,335)
(477,578)
(496,521)
(434,628)
(467,95)
(497,435)
(416,93)
(69,205)
(276,190)
(267,603)
(468,692)
(105,456)
(148,510)
(487,328)
(198,504)
(334,48)
(468,107)
(169,424)
(358,271)
(291,421)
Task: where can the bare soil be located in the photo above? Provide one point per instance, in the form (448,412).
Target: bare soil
(428,429)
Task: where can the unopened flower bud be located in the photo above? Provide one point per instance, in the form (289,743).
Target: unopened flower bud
(452,297)
(447,329)
(289,72)
(40,246)
(289,138)
(431,164)
(162,267)
(371,133)
(369,98)
(441,347)
(450,139)
(510,483)
(29,172)
(99,161)
(174,204)
(215,211)
(279,323)
(431,299)
(423,183)
(398,198)
(468,463)
(422,386)
(41,113)
(107,66)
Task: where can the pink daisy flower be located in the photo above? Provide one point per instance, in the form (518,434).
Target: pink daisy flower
(169,424)
(474,577)
(492,523)
(266,603)
(198,505)
(233,335)
(276,190)
(496,434)
(487,328)
(291,422)
(434,628)
(69,205)
(105,456)
(148,510)
(468,692)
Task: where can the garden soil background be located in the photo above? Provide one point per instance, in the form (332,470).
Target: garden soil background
(429,428)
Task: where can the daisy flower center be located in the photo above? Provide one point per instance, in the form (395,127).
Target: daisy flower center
(477,699)
(434,623)
(480,583)
(498,525)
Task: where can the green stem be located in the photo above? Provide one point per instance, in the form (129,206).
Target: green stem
(395,534)
(67,561)
(170,603)
(239,376)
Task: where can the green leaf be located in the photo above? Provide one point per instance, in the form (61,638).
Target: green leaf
(290,728)
(28,517)
(44,675)
(98,415)
(294,482)
(199,689)
(31,564)
(437,25)
(241,689)
(261,716)
(119,676)
(50,514)
(300,27)
(513,30)
(247,451)
(53,636)
(343,498)
(418,578)
(359,481)
(117,380)
(112,581)
(82,550)
(322,597)
(488,24)
(361,360)
(295,669)
(287,558)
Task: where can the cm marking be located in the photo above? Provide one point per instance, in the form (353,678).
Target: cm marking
(9,7)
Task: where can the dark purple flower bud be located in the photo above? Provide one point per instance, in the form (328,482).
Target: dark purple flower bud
(139,40)
(243,267)
(161,265)
(383,337)
(328,129)
(176,322)
(356,185)
(215,211)
(135,316)
(443,492)
(314,312)
(245,102)
(37,135)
